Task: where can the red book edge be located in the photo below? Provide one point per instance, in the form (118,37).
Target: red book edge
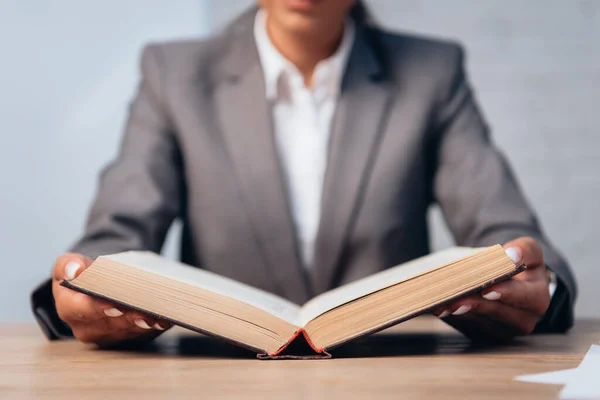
(298,335)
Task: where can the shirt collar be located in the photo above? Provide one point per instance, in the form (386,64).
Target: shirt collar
(328,72)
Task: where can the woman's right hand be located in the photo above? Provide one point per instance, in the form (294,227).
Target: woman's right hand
(93,320)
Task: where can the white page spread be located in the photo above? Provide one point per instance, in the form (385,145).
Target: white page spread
(389,277)
(151,262)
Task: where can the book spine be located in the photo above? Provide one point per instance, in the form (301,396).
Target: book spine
(319,353)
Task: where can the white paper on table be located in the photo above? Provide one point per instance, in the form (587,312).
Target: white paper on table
(585,384)
(586,389)
(561,377)
(582,382)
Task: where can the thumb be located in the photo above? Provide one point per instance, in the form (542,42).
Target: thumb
(68,266)
(526,250)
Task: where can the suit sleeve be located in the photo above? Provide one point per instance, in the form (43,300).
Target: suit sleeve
(139,193)
(478,193)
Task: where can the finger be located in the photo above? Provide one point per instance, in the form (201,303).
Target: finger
(74,307)
(109,309)
(525,250)
(458,307)
(480,328)
(530,296)
(131,317)
(532,274)
(144,323)
(70,265)
(438,311)
(162,325)
(124,319)
(109,331)
(141,321)
(521,321)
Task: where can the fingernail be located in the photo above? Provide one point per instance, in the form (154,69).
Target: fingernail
(514,253)
(492,296)
(158,327)
(142,324)
(113,312)
(465,308)
(444,314)
(71,269)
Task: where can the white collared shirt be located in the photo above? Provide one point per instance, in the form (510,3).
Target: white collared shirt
(302,120)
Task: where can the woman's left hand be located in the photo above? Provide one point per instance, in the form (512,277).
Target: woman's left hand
(509,308)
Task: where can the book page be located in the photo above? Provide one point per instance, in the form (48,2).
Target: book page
(203,279)
(389,277)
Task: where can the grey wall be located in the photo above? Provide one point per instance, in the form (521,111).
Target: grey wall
(69,68)
(67,72)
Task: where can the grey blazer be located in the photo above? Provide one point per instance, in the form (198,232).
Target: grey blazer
(407,133)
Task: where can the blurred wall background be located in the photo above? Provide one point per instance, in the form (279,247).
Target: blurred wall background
(69,69)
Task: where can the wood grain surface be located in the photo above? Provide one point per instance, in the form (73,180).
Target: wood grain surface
(422,358)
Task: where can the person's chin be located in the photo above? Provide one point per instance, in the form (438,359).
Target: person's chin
(302,24)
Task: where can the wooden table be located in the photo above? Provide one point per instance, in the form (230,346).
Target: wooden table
(422,358)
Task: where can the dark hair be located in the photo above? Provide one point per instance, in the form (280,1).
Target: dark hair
(361,13)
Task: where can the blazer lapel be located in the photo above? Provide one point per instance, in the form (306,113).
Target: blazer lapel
(246,126)
(357,127)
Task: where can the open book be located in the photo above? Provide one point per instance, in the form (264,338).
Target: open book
(211,304)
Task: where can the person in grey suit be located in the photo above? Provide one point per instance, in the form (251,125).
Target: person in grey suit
(302,148)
